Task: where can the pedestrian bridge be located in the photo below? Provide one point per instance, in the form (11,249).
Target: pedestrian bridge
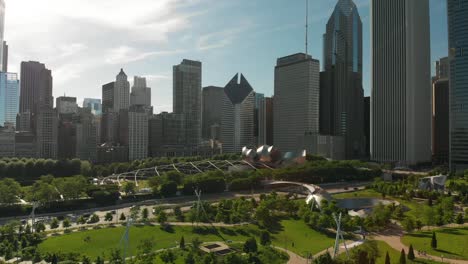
(315,193)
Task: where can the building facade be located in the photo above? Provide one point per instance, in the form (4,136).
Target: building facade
(260,120)
(341,92)
(94,105)
(46,133)
(212,101)
(141,94)
(9,98)
(269,120)
(7,142)
(237,121)
(400,72)
(36,87)
(121,98)
(296,100)
(187,79)
(137,133)
(458,55)
(5,57)
(86,138)
(66,105)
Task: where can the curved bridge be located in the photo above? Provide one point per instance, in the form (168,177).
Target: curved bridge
(315,193)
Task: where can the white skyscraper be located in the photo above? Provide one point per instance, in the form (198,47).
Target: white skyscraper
(121,92)
(141,94)
(237,118)
(401,81)
(296,100)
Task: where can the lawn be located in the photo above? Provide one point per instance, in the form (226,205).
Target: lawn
(300,238)
(394,255)
(366,193)
(451,242)
(100,242)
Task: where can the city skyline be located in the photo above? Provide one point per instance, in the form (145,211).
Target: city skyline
(188,33)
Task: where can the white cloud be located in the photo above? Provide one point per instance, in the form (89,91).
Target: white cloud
(220,39)
(125,54)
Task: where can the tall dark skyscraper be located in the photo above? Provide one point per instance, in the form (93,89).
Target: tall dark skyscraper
(2,44)
(458,55)
(341,93)
(440,112)
(401,81)
(187,79)
(36,87)
(211,114)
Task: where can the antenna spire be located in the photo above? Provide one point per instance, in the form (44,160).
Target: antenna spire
(307,28)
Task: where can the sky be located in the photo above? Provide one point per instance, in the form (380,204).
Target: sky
(86,42)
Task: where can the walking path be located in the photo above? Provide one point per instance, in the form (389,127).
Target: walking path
(392,237)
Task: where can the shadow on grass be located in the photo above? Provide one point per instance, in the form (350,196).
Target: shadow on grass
(447,252)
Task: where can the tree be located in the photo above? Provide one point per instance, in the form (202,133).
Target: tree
(324,259)
(39,227)
(93,219)
(189,259)
(250,245)
(85,260)
(402,257)
(168,189)
(129,188)
(460,219)
(135,213)
(108,217)
(411,253)
(144,214)
(122,217)
(162,218)
(115,257)
(145,254)
(9,191)
(265,238)
(408,224)
(434,241)
(81,220)
(54,224)
(387,258)
(66,223)
(196,243)
(178,214)
(99,260)
(167,256)
(182,243)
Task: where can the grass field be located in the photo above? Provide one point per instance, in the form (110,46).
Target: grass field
(451,242)
(366,193)
(303,238)
(394,255)
(100,242)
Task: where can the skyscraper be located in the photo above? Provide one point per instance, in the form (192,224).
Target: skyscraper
(36,87)
(341,93)
(187,79)
(440,112)
(458,55)
(237,121)
(141,94)
(259,120)
(2,29)
(121,92)
(94,105)
(137,133)
(400,72)
(5,57)
(85,135)
(269,120)
(46,133)
(66,105)
(212,102)
(9,98)
(296,100)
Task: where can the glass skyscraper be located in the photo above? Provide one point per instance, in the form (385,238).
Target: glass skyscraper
(341,92)
(458,52)
(9,98)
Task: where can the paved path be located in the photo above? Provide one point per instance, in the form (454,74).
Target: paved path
(293,257)
(392,237)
